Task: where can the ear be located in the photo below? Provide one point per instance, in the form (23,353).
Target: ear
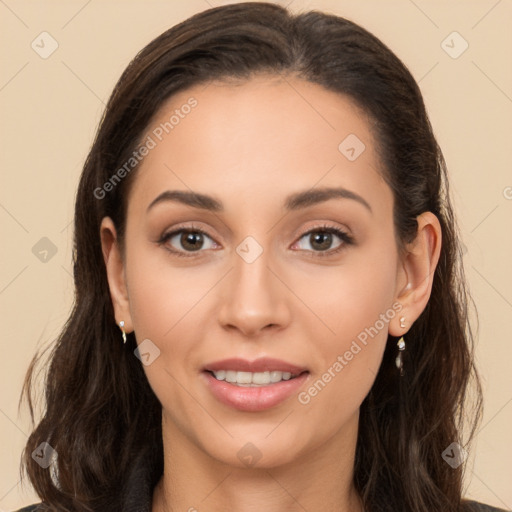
(416,273)
(115,273)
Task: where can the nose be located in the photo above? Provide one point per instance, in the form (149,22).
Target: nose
(255,300)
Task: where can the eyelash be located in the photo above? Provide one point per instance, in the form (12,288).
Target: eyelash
(342,235)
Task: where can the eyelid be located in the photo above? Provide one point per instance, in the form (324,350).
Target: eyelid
(324,225)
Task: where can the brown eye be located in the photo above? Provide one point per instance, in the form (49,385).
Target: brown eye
(320,240)
(185,241)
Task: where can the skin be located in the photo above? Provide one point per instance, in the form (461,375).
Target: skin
(250,145)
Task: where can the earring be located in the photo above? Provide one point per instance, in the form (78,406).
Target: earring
(402,321)
(121,325)
(398,361)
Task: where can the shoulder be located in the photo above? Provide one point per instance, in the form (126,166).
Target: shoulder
(475,506)
(37,507)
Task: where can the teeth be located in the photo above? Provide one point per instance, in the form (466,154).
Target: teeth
(250,378)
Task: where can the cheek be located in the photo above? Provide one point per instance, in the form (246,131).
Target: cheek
(163,296)
(356,304)
(349,299)
(165,305)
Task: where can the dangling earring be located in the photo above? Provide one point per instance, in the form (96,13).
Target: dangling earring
(401,347)
(121,325)
(398,361)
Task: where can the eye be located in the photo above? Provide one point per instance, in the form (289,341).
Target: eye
(187,240)
(320,240)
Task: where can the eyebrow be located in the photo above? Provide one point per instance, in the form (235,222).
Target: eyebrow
(293,202)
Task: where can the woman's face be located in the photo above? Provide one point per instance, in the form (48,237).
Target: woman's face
(268,265)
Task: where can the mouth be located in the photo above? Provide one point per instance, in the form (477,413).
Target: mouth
(253,386)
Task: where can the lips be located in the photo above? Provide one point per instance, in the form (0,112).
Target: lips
(263,364)
(254,397)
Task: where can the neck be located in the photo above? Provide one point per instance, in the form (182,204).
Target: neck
(318,480)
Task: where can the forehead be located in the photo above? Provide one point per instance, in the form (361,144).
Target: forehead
(259,138)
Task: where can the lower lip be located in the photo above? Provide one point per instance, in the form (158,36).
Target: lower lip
(254,399)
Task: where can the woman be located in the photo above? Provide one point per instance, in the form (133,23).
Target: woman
(270,310)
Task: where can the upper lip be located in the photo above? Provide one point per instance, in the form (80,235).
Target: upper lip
(263,364)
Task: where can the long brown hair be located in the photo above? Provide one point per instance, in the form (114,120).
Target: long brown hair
(100,412)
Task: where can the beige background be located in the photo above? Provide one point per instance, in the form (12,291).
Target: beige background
(50,109)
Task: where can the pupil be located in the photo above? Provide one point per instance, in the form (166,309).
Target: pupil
(322,237)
